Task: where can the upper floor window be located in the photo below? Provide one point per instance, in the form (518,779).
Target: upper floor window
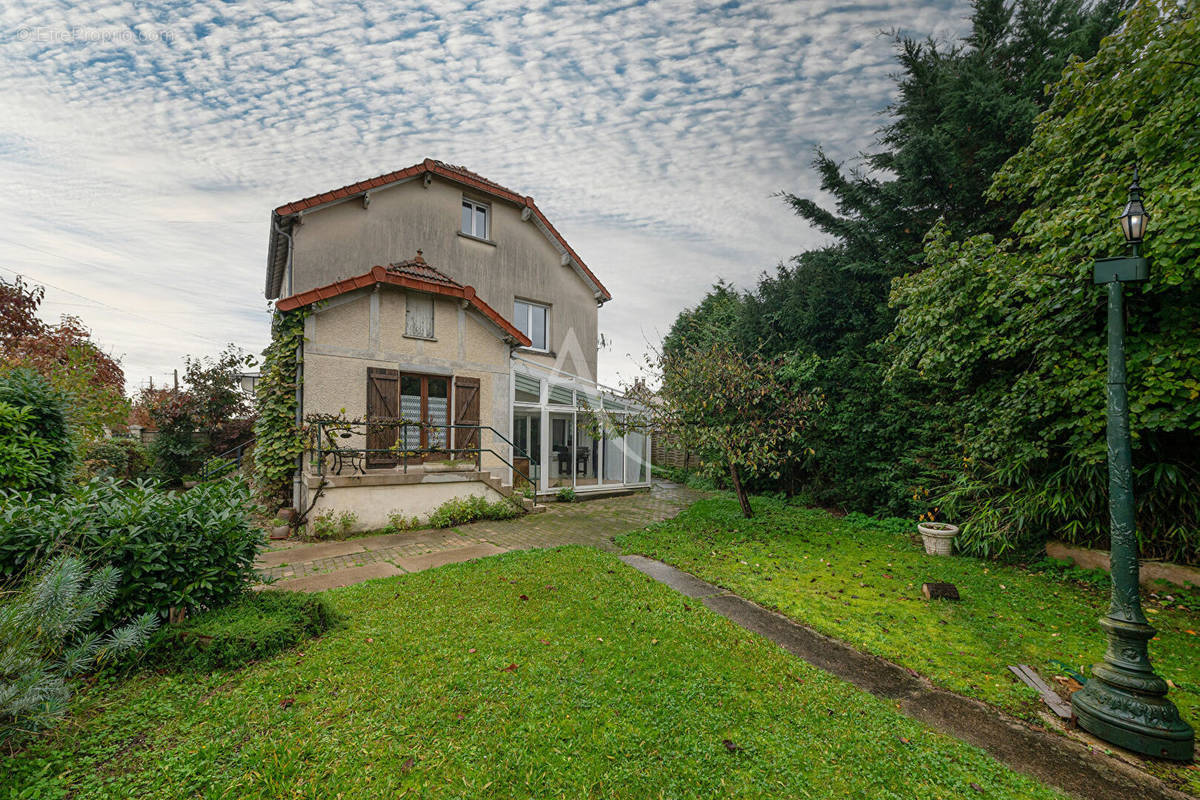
(418,315)
(476,219)
(531,320)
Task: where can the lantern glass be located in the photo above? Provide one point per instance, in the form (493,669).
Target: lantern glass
(1133,220)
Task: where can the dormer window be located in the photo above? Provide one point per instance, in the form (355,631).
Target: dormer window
(476,219)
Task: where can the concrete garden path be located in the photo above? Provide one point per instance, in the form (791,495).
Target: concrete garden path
(312,567)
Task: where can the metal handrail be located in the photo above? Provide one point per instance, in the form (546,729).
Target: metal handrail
(237,452)
(326,445)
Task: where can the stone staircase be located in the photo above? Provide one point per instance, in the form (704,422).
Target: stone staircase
(496,482)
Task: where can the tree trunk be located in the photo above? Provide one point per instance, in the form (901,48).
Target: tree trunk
(740,490)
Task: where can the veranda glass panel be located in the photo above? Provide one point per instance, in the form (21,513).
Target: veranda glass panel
(614,466)
(587,452)
(528,389)
(635,457)
(527,442)
(561,469)
(561,395)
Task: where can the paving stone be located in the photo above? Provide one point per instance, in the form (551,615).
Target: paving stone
(451,556)
(590,523)
(343,577)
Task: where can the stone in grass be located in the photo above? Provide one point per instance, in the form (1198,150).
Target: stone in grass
(939,591)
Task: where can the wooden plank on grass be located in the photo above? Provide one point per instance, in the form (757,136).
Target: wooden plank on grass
(1027,676)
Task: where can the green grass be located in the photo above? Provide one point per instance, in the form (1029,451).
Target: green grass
(860,581)
(620,688)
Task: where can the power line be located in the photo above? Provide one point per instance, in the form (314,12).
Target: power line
(175,328)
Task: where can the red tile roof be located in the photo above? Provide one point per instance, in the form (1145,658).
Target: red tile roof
(414,274)
(451,172)
(418,268)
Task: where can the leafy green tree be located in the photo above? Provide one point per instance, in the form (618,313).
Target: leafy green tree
(714,320)
(732,408)
(962,110)
(66,356)
(1016,329)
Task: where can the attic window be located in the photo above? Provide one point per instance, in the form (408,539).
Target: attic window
(475,219)
(418,316)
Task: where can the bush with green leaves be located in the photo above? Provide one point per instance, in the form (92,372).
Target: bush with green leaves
(252,628)
(461,510)
(48,635)
(37,452)
(1014,329)
(116,458)
(331,524)
(565,494)
(193,549)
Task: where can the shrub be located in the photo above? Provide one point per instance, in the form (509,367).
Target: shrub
(47,636)
(462,510)
(250,629)
(332,525)
(37,453)
(565,495)
(116,458)
(191,549)
(399,522)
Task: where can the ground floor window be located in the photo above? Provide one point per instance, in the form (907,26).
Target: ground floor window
(411,397)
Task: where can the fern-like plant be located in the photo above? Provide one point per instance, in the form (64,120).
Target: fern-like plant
(45,640)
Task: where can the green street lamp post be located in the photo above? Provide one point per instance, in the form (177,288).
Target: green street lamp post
(1125,701)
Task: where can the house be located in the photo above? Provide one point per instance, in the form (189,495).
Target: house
(451,323)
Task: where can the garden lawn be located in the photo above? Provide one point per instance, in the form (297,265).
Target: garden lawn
(557,673)
(859,580)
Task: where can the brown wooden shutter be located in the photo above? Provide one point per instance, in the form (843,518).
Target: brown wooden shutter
(466,412)
(383,402)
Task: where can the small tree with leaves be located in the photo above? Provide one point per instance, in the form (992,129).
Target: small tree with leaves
(47,637)
(734,409)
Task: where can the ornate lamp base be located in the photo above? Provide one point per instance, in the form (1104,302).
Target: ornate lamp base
(1125,702)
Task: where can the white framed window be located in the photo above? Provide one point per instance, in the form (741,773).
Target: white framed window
(418,315)
(532,320)
(476,219)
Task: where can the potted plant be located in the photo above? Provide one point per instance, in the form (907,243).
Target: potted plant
(280,529)
(937,536)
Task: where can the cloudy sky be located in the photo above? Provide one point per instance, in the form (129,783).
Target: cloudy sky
(143,144)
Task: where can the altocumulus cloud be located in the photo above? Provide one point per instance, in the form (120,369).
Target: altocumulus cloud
(142,144)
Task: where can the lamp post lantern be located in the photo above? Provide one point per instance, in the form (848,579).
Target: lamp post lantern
(1125,702)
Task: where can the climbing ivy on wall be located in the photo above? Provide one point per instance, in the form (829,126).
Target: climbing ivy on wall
(279,441)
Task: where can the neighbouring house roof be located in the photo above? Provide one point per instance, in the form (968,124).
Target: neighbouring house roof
(414,274)
(283,217)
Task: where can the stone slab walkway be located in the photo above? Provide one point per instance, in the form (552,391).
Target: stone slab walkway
(312,567)
(1070,765)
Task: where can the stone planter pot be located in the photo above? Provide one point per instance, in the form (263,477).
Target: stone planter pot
(938,537)
(280,532)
